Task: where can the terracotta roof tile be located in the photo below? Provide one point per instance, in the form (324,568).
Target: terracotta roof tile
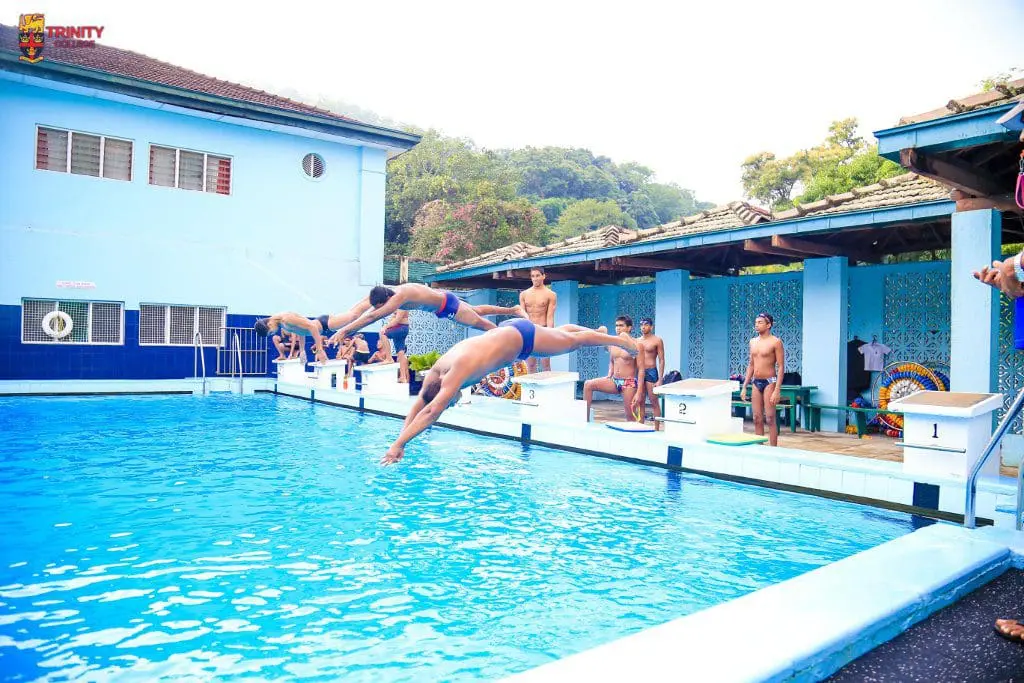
(908,188)
(905,189)
(114,60)
(734,215)
(1001,94)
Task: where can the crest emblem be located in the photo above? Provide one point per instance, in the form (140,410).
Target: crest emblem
(31,36)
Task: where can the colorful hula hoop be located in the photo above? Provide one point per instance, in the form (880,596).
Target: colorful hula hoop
(499,383)
(900,380)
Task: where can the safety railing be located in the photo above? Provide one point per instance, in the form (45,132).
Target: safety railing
(245,353)
(238,352)
(198,357)
(972,478)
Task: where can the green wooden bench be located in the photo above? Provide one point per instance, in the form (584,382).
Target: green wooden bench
(747,404)
(860,416)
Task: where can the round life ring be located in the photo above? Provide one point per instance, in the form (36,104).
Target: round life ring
(61,329)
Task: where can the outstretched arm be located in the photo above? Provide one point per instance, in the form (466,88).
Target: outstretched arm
(373,315)
(424,418)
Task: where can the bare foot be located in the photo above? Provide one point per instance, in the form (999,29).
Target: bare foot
(602,329)
(1011,629)
(519,311)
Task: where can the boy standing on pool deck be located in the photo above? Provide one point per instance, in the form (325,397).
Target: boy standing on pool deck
(767,364)
(539,302)
(651,368)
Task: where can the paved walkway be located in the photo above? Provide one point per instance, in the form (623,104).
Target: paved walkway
(957,643)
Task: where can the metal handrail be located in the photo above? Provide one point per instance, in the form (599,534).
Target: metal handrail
(197,356)
(238,352)
(972,478)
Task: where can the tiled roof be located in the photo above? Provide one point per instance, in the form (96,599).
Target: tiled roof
(902,190)
(734,215)
(114,60)
(908,188)
(1001,94)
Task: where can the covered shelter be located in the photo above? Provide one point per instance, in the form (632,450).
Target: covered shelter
(973,145)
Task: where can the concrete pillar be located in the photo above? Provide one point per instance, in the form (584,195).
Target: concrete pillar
(825,334)
(672,316)
(566,312)
(715,328)
(974,318)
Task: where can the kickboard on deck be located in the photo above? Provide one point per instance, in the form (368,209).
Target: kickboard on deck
(629,426)
(736,439)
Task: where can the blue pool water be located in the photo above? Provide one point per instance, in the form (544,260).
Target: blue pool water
(185,538)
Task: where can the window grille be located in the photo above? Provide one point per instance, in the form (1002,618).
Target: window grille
(67,151)
(93,322)
(169,325)
(185,170)
(162,164)
(152,324)
(313,165)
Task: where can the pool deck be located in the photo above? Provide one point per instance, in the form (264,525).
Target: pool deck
(873,446)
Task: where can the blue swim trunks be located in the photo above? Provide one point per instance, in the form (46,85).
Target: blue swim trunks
(651,375)
(527,330)
(397,335)
(450,307)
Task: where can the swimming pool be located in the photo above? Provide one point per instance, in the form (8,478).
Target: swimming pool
(175,537)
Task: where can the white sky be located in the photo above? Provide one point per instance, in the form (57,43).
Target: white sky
(687,89)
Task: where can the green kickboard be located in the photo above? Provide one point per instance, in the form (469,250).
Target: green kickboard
(736,439)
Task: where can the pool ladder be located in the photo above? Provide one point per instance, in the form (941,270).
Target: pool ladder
(972,479)
(197,356)
(238,353)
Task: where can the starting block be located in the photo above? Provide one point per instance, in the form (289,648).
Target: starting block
(551,395)
(944,432)
(328,374)
(381,379)
(290,371)
(697,408)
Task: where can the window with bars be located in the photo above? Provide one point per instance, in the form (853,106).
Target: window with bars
(92,322)
(67,151)
(172,167)
(313,165)
(169,325)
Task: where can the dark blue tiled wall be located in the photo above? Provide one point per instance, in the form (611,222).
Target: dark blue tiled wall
(127,361)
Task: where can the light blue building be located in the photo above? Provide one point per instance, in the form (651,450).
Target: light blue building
(149,202)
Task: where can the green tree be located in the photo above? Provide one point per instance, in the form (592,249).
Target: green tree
(840,163)
(439,168)
(770,180)
(672,202)
(447,232)
(590,214)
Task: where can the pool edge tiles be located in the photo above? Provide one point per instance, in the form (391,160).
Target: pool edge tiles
(807,627)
